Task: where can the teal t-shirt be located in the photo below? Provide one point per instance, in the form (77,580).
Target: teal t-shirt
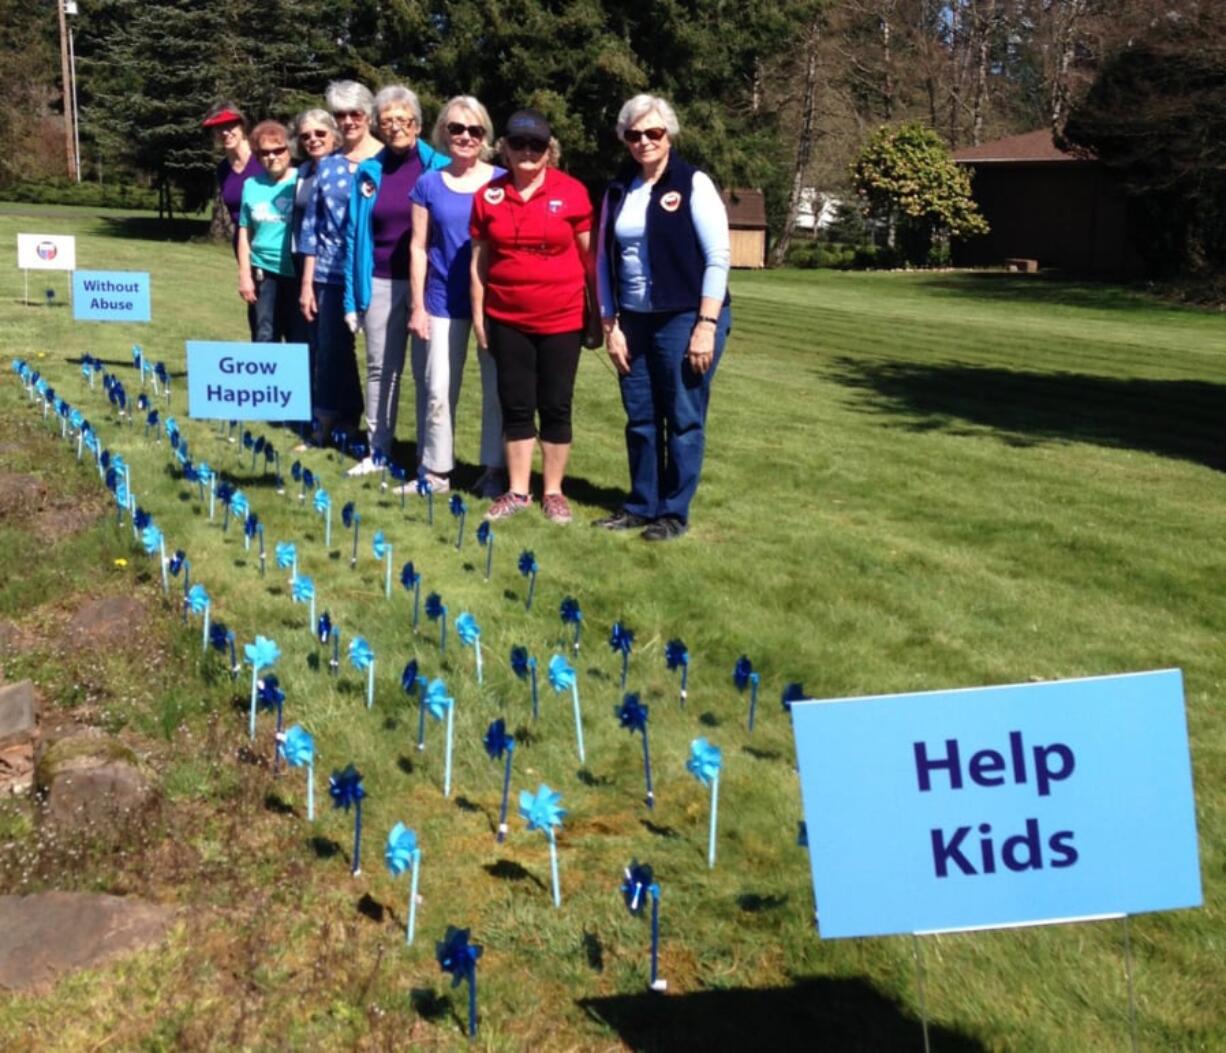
(267,212)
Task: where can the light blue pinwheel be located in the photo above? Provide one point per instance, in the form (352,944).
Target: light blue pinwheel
(439,704)
(543,812)
(263,653)
(362,658)
(562,678)
(302,590)
(528,567)
(400,854)
(323,505)
(153,541)
(469,632)
(677,656)
(239,506)
(382,549)
(286,554)
(704,764)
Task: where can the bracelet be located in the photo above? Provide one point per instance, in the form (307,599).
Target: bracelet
(708,318)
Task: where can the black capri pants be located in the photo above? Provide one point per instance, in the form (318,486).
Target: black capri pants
(536,374)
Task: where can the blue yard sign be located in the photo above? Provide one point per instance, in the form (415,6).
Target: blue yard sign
(999,806)
(110,296)
(234,381)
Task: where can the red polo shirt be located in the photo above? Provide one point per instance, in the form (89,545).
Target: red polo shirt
(536,276)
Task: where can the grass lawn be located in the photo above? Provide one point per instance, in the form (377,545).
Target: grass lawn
(913,482)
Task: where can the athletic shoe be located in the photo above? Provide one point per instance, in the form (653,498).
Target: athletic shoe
(493,483)
(556,508)
(622,520)
(439,484)
(666,528)
(366,466)
(508,505)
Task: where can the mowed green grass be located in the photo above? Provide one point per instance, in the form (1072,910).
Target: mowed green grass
(913,482)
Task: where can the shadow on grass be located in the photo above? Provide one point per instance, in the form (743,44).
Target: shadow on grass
(813,1013)
(509,870)
(1050,288)
(150,228)
(1170,418)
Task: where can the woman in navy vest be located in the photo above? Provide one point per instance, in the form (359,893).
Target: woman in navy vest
(662,270)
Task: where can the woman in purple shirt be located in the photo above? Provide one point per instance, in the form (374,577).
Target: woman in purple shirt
(439,279)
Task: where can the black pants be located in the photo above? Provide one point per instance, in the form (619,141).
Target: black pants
(276,304)
(536,374)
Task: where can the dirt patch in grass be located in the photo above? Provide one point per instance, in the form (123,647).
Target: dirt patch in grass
(28,501)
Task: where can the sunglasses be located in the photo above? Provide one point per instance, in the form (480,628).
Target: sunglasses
(475,131)
(634,136)
(273,151)
(526,142)
(351,115)
(314,133)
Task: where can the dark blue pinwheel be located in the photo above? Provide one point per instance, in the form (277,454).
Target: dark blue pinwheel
(222,640)
(346,789)
(323,628)
(459,958)
(639,883)
(224,494)
(794,692)
(140,519)
(436,611)
(498,744)
(677,656)
(424,489)
(411,579)
(248,440)
(743,676)
(251,526)
(270,696)
(352,518)
(572,614)
(400,475)
(524,667)
(485,538)
(632,715)
(412,682)
(257,450)
(460,511)
(528,568)
(621,641)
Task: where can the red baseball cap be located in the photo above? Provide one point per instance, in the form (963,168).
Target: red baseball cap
(226,116)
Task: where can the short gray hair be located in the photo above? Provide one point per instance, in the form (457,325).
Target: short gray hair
(345,95)
(472,105)
(640,106)
(397,95)
(315,116)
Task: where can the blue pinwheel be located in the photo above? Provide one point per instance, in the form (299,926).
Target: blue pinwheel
(459,958)
(263,653)
(400,475)
(621,641)
(704,764)
(286,554)
(543,812)
(224,493)
(362,658)
(346,789)
(411,681)
(308,478)
(632,715)
(239,506)
(743,676)
(485,538)
(151,539)
(436,611)
(251,526)
(638,884)
(571,614)
(424,489)
(528,568)
(524,667)
(222,639)
(469,632)
(352,518)
(460,511)
(411,579)
(499,744)
(302,590)
(677,656)
(440,704)
(794,692)
(382,548)
(196,601)
(323,628)
(562,678)
(323,505)
(270,696)
(400,854)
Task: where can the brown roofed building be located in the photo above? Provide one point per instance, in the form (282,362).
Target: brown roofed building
(1062,209)
(746,226)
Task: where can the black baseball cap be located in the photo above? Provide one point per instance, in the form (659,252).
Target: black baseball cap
(529,123)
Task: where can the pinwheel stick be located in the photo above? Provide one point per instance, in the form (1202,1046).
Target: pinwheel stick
(472,1001)
(656,983)
(753,698)
(357,838)
(234,668)
(459,537)
(651,797)
(442,638)
(255,673)
(625,667)
(506,792)
(536,701)
(477,648)
(311,792)
(685,676)
(162,559)
(328,527)
(489,556)
(447,758)
(430,508)
(353,559)
(335,664)
(412,925)
(578,630)
(311,620)
(421,720)
(553,868)
(205,634)
(574,695)
(714,819)
(262,553)
(370,685)
(212,497)
(387,575)
(531,590)
(416,602)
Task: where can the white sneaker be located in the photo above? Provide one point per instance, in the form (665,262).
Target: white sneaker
(366,466)
(439,484)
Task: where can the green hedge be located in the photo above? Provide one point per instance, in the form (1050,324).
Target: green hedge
(89,194)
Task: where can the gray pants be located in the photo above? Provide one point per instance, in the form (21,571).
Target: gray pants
(438,369)
(387,334)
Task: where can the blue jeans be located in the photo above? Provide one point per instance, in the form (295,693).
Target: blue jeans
(338,390)
(666,410)
(276,303)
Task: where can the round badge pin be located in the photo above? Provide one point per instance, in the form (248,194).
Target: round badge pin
(671,201)
(494,195)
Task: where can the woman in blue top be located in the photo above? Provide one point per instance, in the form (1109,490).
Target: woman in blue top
(440,255)
(662,274)
(377,259)
(321,240)
(265,219)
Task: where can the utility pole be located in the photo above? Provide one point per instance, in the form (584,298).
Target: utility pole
(66,79)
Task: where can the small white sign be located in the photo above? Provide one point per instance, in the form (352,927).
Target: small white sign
(46,252)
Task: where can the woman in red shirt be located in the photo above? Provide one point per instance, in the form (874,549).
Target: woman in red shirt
(531,231)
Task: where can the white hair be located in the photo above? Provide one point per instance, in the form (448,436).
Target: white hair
(640,106)
(344,96)
(397,95)
(472,105)
(315,116)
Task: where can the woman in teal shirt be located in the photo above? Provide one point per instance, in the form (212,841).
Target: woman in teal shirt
(265,228)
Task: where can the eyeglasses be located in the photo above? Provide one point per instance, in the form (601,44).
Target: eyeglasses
(272,151)
(475,131)
(633,136)
(397,122)
(314,133)
(524,142)
(349,115)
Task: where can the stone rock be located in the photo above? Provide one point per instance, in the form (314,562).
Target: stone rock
(48,934)
(91,780)
(18,714)
(105,622)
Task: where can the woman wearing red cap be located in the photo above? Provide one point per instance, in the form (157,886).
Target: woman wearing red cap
(531,231)
(229,127)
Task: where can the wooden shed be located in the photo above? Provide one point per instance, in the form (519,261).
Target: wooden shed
(746,227)
(1047,205)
